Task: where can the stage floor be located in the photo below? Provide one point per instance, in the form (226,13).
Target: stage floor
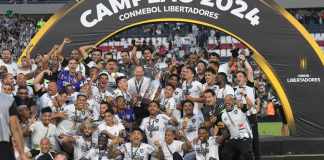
(292,148)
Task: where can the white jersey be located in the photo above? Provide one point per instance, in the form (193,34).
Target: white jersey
(100,95)
(94,108)
(169,104)
(138,88)
(212,87)
(237,124)
(74,119)
(154,128)
(82,147)
(177,95)
(222,92)
(114,130)
(192,127)
(193,89)
(175,146)
(207,150)
(136,153)
(112,82)
(225,68)
(46,100)
(39,131)
(250,92)
(26,71)
(12,67)
(94,154)
(117,92)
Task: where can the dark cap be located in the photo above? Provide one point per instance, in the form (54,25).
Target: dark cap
(120,78)
(81,94)
(46,110)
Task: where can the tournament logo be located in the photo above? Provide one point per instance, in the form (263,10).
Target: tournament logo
(304,76)
(303,63)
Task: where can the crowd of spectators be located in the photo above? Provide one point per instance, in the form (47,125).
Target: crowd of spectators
(16,32)
(309,16)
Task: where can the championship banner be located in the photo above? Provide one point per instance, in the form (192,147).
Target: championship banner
(283,49)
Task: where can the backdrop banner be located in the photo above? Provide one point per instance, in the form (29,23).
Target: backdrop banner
(282,47)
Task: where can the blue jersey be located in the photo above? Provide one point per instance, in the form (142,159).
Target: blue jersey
(65,78)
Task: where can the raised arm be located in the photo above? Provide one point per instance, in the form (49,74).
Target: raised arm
(113,149)
(84,50)
(68,139)
(39,78)
(28,53)
(249,71)
(59,51)
(133,56)
(159,152)
(17,131)
(186,146)
(47,56)
(249,102)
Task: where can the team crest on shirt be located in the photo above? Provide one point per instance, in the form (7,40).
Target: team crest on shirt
(235,111)
(141,150)
(193,120)
(156,120)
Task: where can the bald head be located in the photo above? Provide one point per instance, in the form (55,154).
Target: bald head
(229,101)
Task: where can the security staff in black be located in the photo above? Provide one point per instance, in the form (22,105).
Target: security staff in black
(239,145)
